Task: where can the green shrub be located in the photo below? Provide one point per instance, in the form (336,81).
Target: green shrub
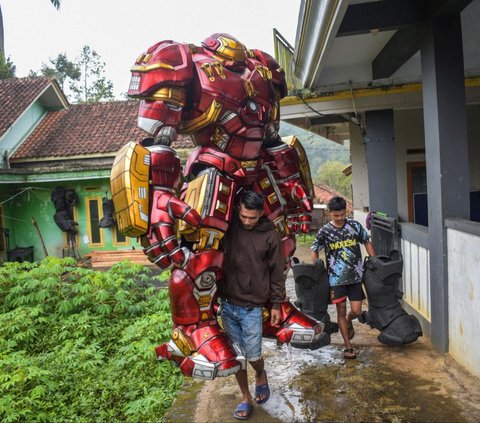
(77,344)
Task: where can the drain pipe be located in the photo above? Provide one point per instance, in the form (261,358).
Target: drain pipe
(318,24)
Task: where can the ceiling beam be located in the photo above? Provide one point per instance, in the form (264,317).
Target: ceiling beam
(382,15)
(407,41)
(403,45)
(447,7)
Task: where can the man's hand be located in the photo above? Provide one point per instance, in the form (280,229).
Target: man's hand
(275,317)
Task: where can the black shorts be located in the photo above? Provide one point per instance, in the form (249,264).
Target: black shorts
(340,293)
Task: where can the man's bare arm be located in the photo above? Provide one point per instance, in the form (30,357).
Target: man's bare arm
(370,249)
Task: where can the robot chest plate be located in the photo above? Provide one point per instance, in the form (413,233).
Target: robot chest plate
(248,94)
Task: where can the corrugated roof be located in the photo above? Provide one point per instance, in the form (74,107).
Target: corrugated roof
(86,129)
(16,94)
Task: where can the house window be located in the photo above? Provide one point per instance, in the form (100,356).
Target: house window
(94,207)
(417,192)
(118,237)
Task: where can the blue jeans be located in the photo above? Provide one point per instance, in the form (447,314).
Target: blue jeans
(244,326)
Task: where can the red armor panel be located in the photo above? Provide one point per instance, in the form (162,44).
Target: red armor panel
(165,64)
(184,308)
(165,167)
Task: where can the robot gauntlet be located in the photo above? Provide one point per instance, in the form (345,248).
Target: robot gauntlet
(160,243)
(294,181)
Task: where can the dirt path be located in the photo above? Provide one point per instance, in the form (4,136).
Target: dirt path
(412,383)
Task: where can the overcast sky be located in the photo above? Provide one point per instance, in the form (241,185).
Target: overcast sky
(119,30)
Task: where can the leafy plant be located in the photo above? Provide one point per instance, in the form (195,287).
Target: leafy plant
(77,344)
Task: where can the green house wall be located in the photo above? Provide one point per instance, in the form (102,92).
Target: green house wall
(22,127)
(18,209)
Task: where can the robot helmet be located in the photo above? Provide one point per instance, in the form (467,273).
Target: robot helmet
(226,48)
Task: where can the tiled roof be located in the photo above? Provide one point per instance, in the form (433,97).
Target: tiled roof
(323,194)
(85,129)
(16,94)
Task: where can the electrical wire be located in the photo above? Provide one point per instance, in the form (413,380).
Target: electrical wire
(21,192)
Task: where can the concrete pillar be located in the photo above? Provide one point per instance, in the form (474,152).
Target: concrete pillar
(380,153)
(446,145)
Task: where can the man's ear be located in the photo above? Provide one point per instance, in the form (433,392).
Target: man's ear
(261,214)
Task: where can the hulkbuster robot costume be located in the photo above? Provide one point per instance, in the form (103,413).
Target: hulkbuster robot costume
(227,98)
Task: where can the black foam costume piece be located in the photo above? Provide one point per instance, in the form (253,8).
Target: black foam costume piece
(382,282)
(313,292)
(108,220)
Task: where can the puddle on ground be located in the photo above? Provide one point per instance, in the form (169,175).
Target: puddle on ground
(326,388)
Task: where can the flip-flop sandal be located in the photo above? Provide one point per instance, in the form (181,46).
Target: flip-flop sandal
(262,390)
(243,407)
(349,353)
(351,331)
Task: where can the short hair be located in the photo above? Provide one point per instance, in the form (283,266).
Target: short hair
(252,200)
(337,204)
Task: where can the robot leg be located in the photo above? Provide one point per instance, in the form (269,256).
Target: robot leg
(385,313)
(197,344)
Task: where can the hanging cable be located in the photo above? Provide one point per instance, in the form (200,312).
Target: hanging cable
(21,192)
(358,120)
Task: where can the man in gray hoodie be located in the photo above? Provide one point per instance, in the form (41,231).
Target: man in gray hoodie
(253,275)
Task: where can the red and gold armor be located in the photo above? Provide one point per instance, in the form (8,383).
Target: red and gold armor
(227,98)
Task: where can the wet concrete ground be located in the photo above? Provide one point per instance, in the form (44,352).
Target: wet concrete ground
(412,383)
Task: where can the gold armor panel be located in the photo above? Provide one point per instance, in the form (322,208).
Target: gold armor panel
(129,185)
(231,49)
(210,194)
(294,142)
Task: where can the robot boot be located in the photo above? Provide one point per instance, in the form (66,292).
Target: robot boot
(385,313)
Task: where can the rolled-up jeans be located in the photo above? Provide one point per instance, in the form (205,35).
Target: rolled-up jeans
(243,325)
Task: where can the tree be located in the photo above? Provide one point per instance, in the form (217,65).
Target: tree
(330,173)
(93,86)
(82,80)
(7,68)
(62,69)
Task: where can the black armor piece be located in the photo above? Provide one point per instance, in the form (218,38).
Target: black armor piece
(382,279)
(108,220)
(313,292)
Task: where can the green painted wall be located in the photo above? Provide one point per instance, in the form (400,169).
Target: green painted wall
(35,202)
(25,123)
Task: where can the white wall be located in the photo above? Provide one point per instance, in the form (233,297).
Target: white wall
(409,134)
(416,277)
(464,298)
(361,198)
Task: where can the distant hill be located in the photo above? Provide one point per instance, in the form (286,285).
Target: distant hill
(318,148)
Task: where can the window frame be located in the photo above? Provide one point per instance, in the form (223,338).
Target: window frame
(97,198)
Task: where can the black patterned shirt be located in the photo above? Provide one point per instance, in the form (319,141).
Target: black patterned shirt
(342,251)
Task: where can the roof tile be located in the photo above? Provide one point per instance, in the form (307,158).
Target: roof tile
(323,194)
(85,129)
(16,94)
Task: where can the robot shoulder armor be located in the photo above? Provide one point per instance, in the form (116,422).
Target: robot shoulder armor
(278,74)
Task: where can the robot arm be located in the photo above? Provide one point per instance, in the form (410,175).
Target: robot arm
(160,243)
(292,176)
